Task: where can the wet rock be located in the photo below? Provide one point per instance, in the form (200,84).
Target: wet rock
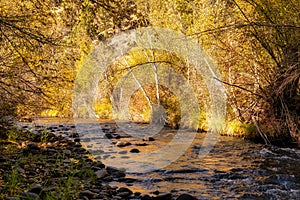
(115,172)
(146,197)
(156,192)
(77,144)
(149,139)
(186,197)
(124,192)
(100,165)
(167,196)
(108,135)
(127,180)
(137,194)
(122,144)
(140,144)
(123,152)
(134,150)
(124,189)
(116,136)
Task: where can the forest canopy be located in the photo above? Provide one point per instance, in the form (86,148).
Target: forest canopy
(255,44)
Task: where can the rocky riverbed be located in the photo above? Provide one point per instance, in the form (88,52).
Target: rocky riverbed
(49,162)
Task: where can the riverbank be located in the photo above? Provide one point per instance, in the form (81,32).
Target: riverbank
(44,165)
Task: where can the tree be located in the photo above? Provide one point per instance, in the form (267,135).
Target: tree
(256,45)
(30,36)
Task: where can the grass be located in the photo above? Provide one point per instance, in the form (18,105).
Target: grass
(61,177)
(44,136)
(240,129)
(13,182)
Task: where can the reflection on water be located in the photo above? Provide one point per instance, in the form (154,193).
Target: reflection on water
(233,169)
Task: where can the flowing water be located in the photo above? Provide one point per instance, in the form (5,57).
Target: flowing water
(234,168)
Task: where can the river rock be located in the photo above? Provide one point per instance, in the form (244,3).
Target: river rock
(146,197)
(101,173)
(124,189)
(122,152)
(148,139)
(135,150)
(166,196)
(122,144)
(108,135)
(186,197)
(115,172)
(89,194)
(123,195)
(140,144)
(36,189)
(116,136)
(156,192)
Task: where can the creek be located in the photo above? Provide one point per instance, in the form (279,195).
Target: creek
(233,169)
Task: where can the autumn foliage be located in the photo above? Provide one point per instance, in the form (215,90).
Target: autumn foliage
(255,44)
